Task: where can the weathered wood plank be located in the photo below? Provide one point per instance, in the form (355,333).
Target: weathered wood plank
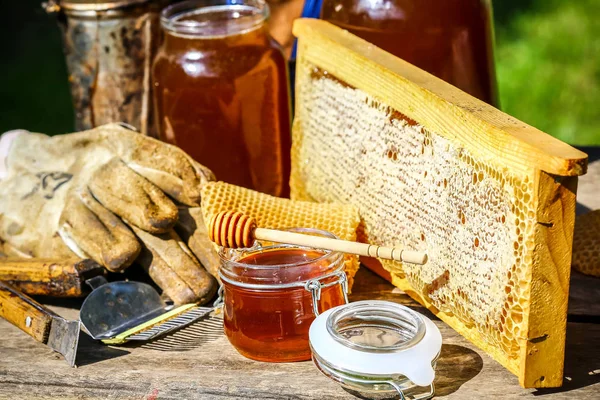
(212,369)
(584,298)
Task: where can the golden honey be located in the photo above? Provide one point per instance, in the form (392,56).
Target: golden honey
(221,92)
(268,308)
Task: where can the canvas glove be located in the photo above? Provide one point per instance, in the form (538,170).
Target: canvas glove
(103,194)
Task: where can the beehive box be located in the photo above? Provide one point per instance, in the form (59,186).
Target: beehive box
(490,199)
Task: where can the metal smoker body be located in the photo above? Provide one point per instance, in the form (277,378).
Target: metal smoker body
(109,47)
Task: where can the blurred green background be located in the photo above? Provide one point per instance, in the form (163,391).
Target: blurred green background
(547,57)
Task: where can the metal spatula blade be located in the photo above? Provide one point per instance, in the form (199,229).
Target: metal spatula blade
(121,311)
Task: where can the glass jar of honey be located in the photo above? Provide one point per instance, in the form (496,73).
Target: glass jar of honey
(273,293)
(451,39)
(221,91)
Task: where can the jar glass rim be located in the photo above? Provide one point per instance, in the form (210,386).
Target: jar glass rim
(404,325)
(246,15)
(282,275)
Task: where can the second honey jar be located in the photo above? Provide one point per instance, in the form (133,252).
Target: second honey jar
(221,91)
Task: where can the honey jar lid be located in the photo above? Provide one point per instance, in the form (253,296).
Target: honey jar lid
(376,338)
(92,5)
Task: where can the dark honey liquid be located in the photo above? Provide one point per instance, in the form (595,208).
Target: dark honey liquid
(451,39)
(272,324)
(224,100)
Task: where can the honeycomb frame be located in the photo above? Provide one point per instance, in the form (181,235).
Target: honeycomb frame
(493,202)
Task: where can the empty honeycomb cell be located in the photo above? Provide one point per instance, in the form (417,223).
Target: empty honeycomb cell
(517,317)
(509,326)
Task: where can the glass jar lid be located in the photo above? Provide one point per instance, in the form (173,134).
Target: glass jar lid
(214,18)
(95,5)
(376,345)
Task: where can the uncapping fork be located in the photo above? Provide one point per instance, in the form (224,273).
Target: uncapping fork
(40,323)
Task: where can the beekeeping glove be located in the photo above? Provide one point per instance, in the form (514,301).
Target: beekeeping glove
(81,192)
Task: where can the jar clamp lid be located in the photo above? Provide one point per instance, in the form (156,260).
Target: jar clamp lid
(91,7)
(376,346)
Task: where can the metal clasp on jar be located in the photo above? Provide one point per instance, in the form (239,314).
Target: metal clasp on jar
(314,286)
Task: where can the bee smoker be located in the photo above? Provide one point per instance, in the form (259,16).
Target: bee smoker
(109,48)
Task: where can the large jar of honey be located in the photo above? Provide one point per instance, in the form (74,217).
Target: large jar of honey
(451,39)
(273,293)
(221,91)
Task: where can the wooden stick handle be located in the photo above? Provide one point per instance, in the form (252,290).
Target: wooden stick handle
(343,246)
(46,277)
(25,313)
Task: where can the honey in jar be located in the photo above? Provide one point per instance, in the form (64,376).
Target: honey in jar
(221,92)
(272,295)
(451,39)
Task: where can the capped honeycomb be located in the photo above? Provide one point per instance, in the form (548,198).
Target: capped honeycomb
(488,198)
(586,244)
(277,213)
(417,190)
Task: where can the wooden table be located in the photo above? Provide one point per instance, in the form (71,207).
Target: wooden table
(209,368)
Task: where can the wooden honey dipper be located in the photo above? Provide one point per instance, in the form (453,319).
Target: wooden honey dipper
(234,230)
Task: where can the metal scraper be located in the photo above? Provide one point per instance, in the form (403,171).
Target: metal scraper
(121,311)
(60,334)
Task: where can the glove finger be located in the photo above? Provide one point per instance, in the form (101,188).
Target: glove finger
(167,166)
(133,198)
(91,231)
(171,284)
(193,231)
(168,249)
